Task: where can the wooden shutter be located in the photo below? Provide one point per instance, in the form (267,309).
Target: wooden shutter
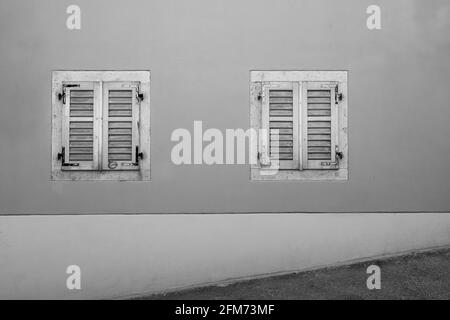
(80,130)
(120,126)
(320,125)
(280,120)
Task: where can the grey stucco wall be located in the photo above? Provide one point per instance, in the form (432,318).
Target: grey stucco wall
(200,53)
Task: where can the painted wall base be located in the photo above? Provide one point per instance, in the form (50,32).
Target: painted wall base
(122,255)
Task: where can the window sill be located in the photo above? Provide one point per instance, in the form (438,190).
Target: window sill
(143,175)
(258,174)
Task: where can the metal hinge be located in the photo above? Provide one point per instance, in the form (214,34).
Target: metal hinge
(259,96)
(139,95)
(62,95)
(62,157)
(264,87)
(139,156)
(337,95)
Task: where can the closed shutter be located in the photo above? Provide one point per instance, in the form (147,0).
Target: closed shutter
(80,128)
(120,126)
(280,124)
(320,138)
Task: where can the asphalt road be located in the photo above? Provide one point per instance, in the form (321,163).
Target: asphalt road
(414,276)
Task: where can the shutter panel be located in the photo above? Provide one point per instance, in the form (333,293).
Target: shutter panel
(320,139)
(280,117)
(120,126)
(80,130)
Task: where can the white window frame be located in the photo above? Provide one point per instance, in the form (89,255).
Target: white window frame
(258,80)
(101,78)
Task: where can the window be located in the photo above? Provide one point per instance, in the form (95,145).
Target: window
(301,117)
(101,125)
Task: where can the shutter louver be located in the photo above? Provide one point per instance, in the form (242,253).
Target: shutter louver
(120,127)
(79,129)
(320,129)
(81,140)
(81,133)
(280,117)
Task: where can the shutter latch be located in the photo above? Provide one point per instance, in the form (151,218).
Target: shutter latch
(139,156)
(62,157)
(335,164)
(337,95)
(62,96)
